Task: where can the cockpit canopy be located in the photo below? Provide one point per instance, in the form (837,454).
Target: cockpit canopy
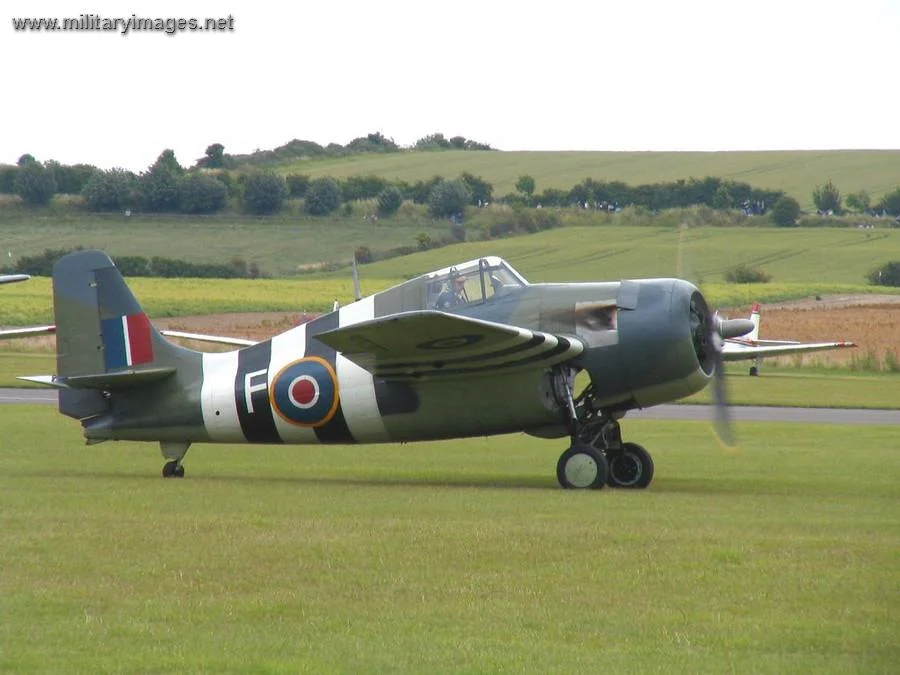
(465,284)
(472,282)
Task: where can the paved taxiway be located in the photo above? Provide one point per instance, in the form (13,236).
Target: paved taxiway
(660,412)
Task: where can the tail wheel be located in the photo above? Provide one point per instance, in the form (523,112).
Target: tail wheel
(582,467)
(631,467)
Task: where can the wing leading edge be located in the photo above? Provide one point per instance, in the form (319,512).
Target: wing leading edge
(413,345)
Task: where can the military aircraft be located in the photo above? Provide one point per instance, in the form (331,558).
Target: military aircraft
(21,332)
(749,346)
(502,357)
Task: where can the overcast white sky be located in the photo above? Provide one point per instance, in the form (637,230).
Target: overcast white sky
(549,75)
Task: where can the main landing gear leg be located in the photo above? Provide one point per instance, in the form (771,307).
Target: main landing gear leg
(597,456)
(174,451)
(581,466)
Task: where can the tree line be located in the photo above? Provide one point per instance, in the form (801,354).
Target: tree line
(167,187)
(217,158)
(41,265)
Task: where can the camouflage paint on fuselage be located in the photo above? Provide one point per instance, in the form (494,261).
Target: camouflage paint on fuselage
(634,338)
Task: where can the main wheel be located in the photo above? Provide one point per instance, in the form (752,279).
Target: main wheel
(630,467)
(582,467)
(173,469)
(754,371)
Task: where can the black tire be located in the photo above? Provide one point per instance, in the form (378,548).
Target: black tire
(170,470)
(754,371)
(582,467)
(631,467)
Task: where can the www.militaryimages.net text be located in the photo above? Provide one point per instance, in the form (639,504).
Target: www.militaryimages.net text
(95,23)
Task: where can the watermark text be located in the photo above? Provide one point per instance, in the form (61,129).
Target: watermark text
(95,23)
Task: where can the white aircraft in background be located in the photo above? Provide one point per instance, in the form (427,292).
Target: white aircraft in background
(750,346)
(22,332)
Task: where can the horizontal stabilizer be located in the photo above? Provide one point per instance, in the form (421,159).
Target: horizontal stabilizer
(125,379)
(217,339)
(14,333)
(430,343)
(13,278)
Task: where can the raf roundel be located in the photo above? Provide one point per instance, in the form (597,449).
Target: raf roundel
(305,392)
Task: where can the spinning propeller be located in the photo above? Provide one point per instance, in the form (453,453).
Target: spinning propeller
(708,332)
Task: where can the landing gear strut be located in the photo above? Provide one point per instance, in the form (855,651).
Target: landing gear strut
(597,456)
(174,452)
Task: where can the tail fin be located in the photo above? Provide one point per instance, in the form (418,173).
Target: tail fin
(754,317)
(104,340)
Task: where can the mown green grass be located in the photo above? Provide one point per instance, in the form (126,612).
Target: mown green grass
(808,387)
(796,172)
(449,557)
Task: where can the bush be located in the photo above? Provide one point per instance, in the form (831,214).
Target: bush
(200,193)
(890,203)
(786,211)
(264,193)
(157,190)
(886,275)
(448,199)
(41,265)
(111,190)
(525,185)
(480,191)
(297,184)
(743,274)
(8,179)
(362,187)
(424,241)
(35,184)
(322,197)
(827,198)
(389,201)
(70,180)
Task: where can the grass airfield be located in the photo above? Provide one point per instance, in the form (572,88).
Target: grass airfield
(449,557)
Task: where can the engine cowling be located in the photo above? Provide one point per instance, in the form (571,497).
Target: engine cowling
(664,349)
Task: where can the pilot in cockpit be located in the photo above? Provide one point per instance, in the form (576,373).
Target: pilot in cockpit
(455,292)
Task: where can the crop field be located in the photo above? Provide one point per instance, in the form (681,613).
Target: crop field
(802,262)
(32,302)
(280,246)
(815,257)
(449,557)
(796,172)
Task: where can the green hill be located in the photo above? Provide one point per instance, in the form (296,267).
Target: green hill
(802,262)
(795,172)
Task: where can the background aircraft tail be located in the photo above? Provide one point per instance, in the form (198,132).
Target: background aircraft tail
(105,342)
(754,317)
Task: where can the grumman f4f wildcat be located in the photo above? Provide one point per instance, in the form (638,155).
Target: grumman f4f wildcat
(469,350)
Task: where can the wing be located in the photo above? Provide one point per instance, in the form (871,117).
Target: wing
(419,344)
(14,333)
(736,351)
(217,339)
